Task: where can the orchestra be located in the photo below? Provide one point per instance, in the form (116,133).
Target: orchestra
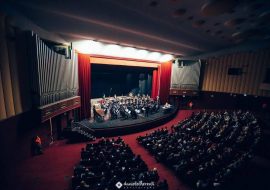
(125,107)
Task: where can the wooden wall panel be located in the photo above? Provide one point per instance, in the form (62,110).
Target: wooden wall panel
(254,65)
(3,114)
(215,74)
(225,78)
(252,78)
(14,77)
(240,61)
(5,69)
(230,78)
(235,79)
(206,75)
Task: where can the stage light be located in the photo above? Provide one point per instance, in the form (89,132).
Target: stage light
(82,46)
(141,54)
(153,56)
(166,57)
(128,52)
(112,50)
(96,47)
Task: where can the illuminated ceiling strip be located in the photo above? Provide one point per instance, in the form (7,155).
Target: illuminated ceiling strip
(98,48)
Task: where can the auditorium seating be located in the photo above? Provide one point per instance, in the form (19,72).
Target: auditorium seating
(207,148)
(105,163)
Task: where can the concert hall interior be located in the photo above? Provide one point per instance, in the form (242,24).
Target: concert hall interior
(133,94)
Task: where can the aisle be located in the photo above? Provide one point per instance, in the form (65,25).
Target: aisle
(164,173)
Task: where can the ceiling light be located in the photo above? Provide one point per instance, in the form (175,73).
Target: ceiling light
(112,50)
(166,57)
(98,48)
(154,56)
(128,52)
(95,47)
(141,54)
(82,46)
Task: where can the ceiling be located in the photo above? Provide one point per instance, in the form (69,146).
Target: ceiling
(180,27)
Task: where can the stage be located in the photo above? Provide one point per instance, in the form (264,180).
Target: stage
(120,126)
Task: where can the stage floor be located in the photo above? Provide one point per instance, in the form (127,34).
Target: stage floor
(118,123)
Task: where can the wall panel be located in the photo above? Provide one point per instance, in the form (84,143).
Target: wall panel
(226,80)
(5,69)
(14,76)
(254,65)
(2,101)
(241,80)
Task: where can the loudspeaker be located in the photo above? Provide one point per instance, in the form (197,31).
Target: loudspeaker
(235,71)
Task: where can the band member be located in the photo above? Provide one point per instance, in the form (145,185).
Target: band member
(95,112)
(146,110)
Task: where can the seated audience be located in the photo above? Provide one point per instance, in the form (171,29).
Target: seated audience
(206,148)
(109,161)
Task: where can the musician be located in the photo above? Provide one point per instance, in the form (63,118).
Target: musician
(113,113)
(158,101)
(95,112)
(146,110)
(133,113)
(129,107)
(123,112)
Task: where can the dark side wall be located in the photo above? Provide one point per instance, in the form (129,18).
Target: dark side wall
(16,134)
(15,93)
(219,100)
(254,66)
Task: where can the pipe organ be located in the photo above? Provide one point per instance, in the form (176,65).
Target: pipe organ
(54,77)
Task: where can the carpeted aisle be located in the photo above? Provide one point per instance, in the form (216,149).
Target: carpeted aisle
(164,172)
(53,169)
(49,171)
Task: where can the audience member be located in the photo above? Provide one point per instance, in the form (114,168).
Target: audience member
(109,161)
(207,147)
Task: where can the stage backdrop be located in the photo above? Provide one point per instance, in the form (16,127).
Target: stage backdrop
(186,74)
(110,80)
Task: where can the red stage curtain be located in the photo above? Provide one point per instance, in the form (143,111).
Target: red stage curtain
(165,81)
(155,84)
(84,71)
